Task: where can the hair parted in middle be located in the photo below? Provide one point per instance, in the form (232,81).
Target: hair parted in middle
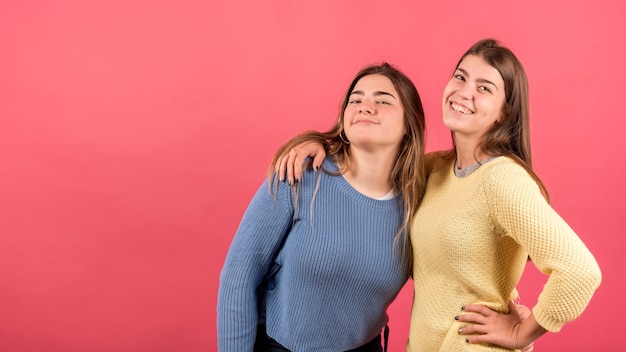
(511,135)
(408,175)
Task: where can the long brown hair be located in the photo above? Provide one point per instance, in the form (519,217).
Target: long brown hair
(408,176)
(510,136)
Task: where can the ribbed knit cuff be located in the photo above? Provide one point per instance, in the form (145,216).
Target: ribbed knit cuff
(546,321)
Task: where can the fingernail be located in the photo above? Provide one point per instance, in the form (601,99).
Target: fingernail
(460,331)
(467,340)
(297,180)
(289,183)
(456,318)
(463,308)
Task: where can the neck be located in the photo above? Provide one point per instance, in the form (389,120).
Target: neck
(467,152)
(370,172)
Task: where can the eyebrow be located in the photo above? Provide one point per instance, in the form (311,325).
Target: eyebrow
(376,93)
(480,80)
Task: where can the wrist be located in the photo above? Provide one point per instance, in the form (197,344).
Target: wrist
(528,331)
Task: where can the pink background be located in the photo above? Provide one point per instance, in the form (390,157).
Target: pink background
(133,134)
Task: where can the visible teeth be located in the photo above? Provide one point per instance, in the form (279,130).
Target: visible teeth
(461,109)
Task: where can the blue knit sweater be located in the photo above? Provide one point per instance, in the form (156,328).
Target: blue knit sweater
(337,271)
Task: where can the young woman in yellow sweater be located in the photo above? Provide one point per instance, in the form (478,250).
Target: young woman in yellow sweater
(483,214)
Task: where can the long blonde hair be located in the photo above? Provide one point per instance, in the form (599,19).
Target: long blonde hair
(408,176)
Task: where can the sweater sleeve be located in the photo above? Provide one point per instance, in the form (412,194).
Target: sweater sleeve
(519,210)
(264,224)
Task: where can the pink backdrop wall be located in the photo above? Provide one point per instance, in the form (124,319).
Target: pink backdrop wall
(133,134)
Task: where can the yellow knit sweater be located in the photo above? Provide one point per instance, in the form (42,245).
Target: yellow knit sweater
(471,238)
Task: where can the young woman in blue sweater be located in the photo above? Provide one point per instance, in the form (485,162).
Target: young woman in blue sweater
(314,266)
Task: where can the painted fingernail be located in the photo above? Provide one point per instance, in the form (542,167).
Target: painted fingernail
(289,183)
(467,340)
(456,318)
(463,308)
(297,180)
(460,331)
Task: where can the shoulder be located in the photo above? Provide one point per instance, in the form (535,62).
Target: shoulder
(505,169)
(330,164)
(437,160)
(504,176)
(311,179)
(438,155)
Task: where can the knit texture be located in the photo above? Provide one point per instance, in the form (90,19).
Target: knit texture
(338,271)
(471,238)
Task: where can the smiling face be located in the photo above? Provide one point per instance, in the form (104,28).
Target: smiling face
(374,115)
(473,98)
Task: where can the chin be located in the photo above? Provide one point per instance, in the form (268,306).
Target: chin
(448,122)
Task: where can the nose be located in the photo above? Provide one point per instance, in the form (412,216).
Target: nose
(367,107)
(466,91)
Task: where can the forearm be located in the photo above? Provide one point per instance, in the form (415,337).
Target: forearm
(528,331)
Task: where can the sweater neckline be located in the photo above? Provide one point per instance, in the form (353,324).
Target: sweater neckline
(331,165)
(468,170)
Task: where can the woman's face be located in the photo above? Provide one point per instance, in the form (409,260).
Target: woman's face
(473,98)
(374,116)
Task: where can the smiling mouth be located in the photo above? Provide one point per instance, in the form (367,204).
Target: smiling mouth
(366,122)
(460,108)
